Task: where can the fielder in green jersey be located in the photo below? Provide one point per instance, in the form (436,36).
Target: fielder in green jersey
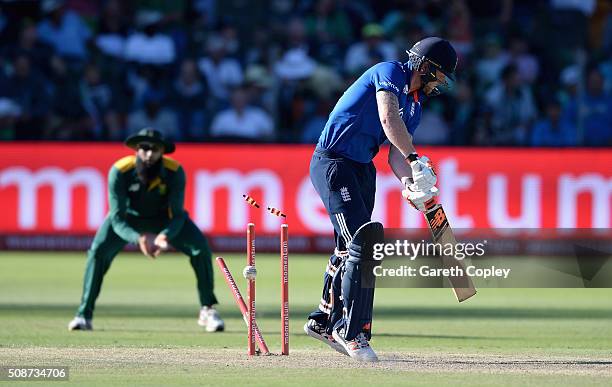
(146,192)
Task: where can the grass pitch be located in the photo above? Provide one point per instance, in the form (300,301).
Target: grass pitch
(146,331)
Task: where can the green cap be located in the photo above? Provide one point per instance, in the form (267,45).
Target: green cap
(152,136)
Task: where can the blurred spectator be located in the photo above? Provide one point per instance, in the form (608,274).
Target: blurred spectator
(606,44)
(31,45)
(189,101)
(490,65)
(525,62)
(295,65)
(325,83)
(294,70)
(242,121)
(261,50)
(229,36)
(28,89)
(64,30)
(606,70)
(329,29)
(155,116)
(595,112)
(69,120)
(97,99)
(433,130)
(170,10)
(460,29)
(553,129)
(112,30)
(570,78)
(491,15)
(569,20)
(403,21)
(464,110)
(315,124)
(511,109)
(221,72)
(296,34)
(371,50)
(9,112)
(260,86)
(149,46)
(328,23)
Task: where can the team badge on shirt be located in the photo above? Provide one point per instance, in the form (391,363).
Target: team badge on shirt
(344,193)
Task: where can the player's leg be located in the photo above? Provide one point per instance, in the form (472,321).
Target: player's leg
(338,183)
(322,312)
(105,246)
(358,282)
(193,243)
(368,192)
(317,325)
(351,205)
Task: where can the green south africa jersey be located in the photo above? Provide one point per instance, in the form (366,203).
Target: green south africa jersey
(134,207)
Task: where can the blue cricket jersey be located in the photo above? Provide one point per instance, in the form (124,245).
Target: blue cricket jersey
(353,129)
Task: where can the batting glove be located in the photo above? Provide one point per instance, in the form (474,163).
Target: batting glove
(421,200)
(423,174)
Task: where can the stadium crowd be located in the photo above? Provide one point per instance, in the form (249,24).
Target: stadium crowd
(530,72)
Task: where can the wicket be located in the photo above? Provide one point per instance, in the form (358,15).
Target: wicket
(284,259)
(248,310)
(241,304)
(251,287)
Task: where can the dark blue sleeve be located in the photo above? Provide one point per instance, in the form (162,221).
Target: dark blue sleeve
(389,76)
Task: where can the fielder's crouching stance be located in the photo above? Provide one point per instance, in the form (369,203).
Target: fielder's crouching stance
(145,194)
(383,104)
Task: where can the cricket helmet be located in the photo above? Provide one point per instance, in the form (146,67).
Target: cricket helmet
(440,55)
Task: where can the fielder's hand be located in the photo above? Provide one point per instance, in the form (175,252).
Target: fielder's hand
(421,200)
(161,244)
(147,244)
(423,174)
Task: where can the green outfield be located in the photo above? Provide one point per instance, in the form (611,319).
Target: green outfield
(146,332)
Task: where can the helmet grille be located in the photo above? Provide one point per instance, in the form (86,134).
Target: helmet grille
(414,60)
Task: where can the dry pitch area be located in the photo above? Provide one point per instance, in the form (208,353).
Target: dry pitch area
(85,358)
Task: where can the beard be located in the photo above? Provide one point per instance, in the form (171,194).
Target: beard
(147,172)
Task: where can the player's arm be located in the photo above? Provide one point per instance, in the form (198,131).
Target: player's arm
(392,123)
(176,209)
(398,164)
(117,204)
(398,135)
(421,192)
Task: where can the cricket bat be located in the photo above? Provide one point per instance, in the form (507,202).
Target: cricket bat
(463,287)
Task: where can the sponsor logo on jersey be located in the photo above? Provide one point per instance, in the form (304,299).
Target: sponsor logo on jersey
(391,85)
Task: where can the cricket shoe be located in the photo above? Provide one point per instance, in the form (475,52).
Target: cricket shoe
(317,331)
(80,324)
(210,319)
(358,348)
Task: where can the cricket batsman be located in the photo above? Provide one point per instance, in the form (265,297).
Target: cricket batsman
(384,103)
(145,196)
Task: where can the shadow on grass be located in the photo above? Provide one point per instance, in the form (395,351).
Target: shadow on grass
(429,312)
